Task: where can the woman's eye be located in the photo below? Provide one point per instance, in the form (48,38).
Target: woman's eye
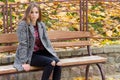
(36,12)
(31,12)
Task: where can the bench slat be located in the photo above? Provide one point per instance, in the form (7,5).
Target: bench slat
(66,35)
(8,48)
(65,62)
(82,60)
(8,38)
(53,35)
(54,44)
(70,44)
(6,69)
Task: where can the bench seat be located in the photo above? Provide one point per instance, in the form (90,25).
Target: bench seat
(6,69)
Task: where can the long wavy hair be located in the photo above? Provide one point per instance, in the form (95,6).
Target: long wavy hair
(28,11)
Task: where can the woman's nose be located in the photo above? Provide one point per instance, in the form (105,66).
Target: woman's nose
(34,14)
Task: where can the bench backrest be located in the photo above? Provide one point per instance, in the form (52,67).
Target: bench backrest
(60,39)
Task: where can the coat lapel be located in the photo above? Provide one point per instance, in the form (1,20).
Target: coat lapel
(40,30)
(31,29)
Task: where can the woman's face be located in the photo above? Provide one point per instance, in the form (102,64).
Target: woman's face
(34,15)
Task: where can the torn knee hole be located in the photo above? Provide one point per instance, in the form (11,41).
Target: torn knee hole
(59,64)
(53,63)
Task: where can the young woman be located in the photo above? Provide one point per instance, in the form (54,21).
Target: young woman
(34,47)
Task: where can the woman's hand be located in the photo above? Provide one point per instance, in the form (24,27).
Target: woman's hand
(26,67)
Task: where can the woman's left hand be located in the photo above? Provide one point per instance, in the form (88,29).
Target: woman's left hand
(26,67)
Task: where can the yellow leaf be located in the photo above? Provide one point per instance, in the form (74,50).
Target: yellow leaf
(110,79)
(22,1)
(79,78)
(117,28)
(109,33)
(1,21)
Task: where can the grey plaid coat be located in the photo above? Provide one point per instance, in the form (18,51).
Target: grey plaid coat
(26,39)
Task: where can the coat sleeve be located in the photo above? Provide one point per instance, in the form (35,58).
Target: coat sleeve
(23,45)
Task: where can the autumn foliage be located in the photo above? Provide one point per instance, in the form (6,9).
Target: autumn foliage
(103,17)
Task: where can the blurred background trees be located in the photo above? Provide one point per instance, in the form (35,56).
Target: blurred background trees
(103,17)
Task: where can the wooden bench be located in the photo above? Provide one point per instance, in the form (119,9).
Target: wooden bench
(59,39)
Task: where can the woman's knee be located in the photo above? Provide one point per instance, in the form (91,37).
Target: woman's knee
(53,63)
(59,63)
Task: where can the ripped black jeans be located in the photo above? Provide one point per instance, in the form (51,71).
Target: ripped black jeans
(44,59)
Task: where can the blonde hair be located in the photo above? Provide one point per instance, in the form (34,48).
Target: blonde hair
(28,11)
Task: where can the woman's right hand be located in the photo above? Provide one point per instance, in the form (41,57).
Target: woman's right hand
(26,67)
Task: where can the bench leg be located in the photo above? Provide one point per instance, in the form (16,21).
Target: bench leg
(101,71)
(87,71)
